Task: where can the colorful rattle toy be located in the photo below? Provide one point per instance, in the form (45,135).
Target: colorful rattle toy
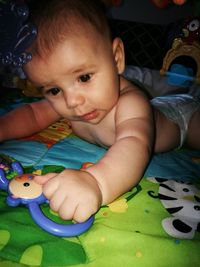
(22,189)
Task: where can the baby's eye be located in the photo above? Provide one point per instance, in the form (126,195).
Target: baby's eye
(53,91)
(85,78)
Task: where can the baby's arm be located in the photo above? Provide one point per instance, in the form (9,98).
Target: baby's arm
(124,164)
(77,194)
(27,120)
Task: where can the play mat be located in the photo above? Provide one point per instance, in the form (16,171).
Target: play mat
(155,224)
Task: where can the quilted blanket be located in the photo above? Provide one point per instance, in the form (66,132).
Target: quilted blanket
(157,223)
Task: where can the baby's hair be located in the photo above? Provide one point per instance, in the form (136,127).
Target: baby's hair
(57,19)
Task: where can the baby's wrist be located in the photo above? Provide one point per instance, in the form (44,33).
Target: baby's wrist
(103,189)
(98,186)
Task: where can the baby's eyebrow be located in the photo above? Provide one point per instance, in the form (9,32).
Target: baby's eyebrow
(81,68)
(40,89)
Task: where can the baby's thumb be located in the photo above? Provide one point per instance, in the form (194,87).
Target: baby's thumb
(42,179)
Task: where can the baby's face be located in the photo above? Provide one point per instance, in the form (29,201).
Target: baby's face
(79,78)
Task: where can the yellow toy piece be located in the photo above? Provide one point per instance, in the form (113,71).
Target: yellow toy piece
(180,48)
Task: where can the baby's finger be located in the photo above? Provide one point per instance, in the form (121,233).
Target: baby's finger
(67,209)
(82,213)
(56,200)
(73,210)
(50,187)
(42,179)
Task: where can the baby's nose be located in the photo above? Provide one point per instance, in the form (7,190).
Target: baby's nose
(73,99)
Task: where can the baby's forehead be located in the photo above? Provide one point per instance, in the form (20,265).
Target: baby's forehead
(75,52)
(47,43)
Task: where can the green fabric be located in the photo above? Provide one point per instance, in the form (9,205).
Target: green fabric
(128,233)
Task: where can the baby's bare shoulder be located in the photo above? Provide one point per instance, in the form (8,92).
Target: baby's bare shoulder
(129,89)
(132,96)
(133,103)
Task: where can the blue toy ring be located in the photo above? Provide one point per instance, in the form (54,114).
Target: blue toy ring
(22,189)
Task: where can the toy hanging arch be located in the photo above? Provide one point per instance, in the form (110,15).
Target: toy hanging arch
(180,48)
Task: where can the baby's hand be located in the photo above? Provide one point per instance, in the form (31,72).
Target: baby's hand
(73,194)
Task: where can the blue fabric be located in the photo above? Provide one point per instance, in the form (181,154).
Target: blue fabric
(72,151)
(180,165)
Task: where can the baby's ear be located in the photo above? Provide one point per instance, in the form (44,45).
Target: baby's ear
(118,53)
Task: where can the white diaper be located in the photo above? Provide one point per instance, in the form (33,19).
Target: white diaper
(179,109)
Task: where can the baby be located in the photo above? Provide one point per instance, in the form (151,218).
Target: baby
(78,67)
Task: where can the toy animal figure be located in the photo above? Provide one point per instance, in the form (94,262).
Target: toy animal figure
(185,49)
(23,190)
(182,201)
(191,30)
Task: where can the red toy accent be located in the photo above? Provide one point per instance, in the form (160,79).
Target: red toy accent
(165,3)
(161,3)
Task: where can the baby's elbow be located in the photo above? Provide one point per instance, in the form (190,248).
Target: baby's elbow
(146,145)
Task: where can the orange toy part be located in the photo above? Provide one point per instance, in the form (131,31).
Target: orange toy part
(161,3)
(179,2)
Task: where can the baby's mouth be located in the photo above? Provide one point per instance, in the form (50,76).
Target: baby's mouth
(89,116)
